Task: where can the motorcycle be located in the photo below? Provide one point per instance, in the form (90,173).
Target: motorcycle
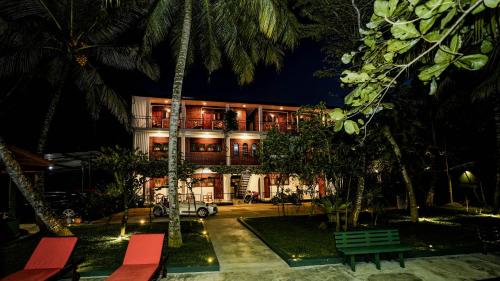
(251,196)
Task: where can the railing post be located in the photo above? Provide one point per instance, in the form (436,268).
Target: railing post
(259,112)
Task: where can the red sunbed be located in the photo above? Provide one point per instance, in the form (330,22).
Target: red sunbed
(48,259)
(142,259)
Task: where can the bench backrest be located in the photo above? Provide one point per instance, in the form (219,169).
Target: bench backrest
(52,252)
(349,239)
(144,249)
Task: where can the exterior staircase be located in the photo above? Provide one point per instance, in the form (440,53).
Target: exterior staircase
(245,177)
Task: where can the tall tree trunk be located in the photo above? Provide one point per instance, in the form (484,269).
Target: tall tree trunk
(404,173)
(450,184)
(123,226)
(174,226)
(359,193)
(357,201)
(49,116)
(496,197)
(32,195)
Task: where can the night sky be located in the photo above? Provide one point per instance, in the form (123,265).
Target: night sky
(74,130)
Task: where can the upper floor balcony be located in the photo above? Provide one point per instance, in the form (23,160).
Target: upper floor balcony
(197,115)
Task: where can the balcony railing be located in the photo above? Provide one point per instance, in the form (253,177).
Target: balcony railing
(206,124)
(213,159)
(244,160)
(280,126)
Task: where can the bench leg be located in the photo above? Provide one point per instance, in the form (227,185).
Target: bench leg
(377,260)
(401,259)
(353,263)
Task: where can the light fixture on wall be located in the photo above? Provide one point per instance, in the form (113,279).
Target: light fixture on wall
(244,105)
(204,103)
(281,107)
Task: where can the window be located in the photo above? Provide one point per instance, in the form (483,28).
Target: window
(202,147)
(236,149)
(197,147)
(254,150)
(245,149)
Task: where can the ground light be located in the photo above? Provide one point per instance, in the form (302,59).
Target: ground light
(142,221)
(210,259)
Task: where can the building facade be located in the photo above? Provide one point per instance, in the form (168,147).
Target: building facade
(202,142)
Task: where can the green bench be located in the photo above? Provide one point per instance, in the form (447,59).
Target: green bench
(352,243)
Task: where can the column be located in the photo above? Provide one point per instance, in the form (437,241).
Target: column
(183,147)
(228,151)
(260,118)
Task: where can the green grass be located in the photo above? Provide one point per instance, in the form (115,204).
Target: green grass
(301,236)
(103,252)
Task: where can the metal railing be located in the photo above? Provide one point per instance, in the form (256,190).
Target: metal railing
(244,160)
(204,124)
(215,159)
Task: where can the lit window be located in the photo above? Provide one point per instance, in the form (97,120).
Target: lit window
(254,150)
(236,149)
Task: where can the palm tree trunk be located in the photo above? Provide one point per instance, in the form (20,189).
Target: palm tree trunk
(49,116)
(496,198)
(32,195)
(404,173)
(123,226)
(174,226)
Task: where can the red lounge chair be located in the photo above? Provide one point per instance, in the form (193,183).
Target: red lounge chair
(142,259)
(47,261)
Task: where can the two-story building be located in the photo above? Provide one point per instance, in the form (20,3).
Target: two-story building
(203,143)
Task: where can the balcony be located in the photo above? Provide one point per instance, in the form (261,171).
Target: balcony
(244,160)
(283,127)
(152,122)
(203,159)
(148,122)
(204,124)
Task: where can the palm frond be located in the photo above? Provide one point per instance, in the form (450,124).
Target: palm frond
(208,41)
(158,22)
(99,95)
(118,57)
(20,61)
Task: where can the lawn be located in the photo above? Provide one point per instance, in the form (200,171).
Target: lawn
(301,237)
(103,251)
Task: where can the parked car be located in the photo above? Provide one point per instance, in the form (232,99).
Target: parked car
(202,210)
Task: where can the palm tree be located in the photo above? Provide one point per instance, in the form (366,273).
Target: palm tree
(245,32)
(34,198)
(69,42)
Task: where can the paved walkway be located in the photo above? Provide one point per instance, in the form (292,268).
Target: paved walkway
(238,249)
(444,268)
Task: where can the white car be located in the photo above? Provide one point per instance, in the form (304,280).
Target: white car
(203,210)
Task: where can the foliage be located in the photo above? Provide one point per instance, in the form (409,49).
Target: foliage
(246,33)
(429,36)
(336,25)
(127,168)
(230,121)
(72,42)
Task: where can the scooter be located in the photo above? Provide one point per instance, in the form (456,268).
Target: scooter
(251,196)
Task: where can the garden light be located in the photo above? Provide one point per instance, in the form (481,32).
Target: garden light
(204,232)
(210,259)
(142,221)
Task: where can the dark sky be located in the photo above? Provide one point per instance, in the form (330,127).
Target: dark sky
(293,84)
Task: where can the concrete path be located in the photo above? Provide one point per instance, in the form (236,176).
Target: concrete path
(444,268)
(238,249)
